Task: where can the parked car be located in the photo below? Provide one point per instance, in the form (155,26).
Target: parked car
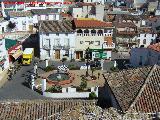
(128,66)
(95,63)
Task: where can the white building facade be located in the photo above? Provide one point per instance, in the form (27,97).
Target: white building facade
(56,45)
(4,59)
(145,56)
(23,20)
(146,36)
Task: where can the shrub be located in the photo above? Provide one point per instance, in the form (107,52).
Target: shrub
(73,60)
(73,67)
(11,25)
(114,69)
(64,59)
(54,89)
(92,95)
(82,59)
(83,84)
(49,68)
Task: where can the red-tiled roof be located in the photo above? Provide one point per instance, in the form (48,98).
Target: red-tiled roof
(155,47)
(91,23)
(148,100)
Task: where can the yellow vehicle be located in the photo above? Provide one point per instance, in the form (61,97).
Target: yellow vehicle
(27,56)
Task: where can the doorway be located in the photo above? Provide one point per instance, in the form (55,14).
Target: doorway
(57,54)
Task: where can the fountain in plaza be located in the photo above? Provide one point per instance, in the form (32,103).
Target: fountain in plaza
(61,77)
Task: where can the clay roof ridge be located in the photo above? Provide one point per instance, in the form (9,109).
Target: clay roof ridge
(142,88)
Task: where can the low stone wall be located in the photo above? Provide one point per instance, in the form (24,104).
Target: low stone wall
(71,93)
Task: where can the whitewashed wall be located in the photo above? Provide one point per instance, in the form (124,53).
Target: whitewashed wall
(62,37)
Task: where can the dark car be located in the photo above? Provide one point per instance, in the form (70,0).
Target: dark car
(95,64)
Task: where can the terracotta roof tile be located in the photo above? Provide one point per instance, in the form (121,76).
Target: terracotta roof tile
(20,13)
(149,100)
(126,84)
(125,24)
(56,26)
(155,47)
(91,23)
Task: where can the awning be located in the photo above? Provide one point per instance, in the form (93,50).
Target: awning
(17,54)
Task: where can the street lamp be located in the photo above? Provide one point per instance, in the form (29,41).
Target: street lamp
(87,56)
(102,61)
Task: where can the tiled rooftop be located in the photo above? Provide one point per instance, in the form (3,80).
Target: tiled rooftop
(38,109)
(126,84)
(56,26)
(91,23)
(155,47)
(144,30)
(148,99)
(125,24)
(19,13)
(44,11)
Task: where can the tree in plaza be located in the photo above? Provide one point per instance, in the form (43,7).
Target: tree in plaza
(83,84)
(93,69)
(11,25)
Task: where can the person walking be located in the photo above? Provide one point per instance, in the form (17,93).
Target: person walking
(98,75)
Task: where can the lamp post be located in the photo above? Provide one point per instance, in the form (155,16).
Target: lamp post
(102,61)
(87,55)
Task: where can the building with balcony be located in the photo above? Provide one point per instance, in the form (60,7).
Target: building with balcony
(45,14)
(95,34)
(126,35)
(57,40)
(146,36)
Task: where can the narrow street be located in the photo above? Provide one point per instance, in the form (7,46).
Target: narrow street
(16,88)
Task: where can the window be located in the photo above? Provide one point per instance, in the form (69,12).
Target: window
(152,41)
(87,42)
(66,34)
(57,34)
(57,42)
(144,35)
(24,27)
(81,42)
(140,61)
(159,57)
(47,17)
(66,53)
(144,41)
(138,35)
(47,34)
(97,43)
(91,42)
(67,42)
(152,35)
(149,53)
(39,17)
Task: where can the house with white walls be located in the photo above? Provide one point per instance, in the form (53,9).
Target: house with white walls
(22,19)
(45,14)
(57,40)
(3,25)
(145,56)
(95,35)
(4,59)
(146,36)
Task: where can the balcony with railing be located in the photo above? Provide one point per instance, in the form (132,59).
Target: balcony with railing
(108,46)
(61,46)
(46,47)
